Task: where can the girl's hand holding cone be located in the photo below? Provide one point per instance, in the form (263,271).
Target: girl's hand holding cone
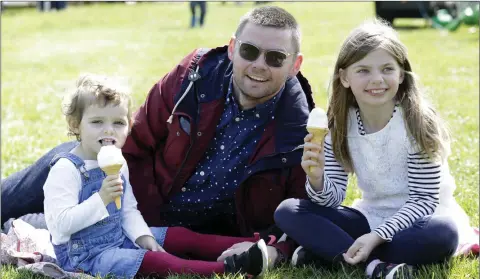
(114,170)
(318,136)
(112,187)
(313,162)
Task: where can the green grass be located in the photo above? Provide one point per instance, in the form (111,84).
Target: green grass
(43,54)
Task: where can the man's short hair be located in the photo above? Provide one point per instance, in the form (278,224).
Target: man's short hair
(270,16)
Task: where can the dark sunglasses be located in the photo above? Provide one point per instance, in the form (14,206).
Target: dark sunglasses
(273,58)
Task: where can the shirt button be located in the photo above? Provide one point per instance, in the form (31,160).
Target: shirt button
(237,119)
(199,134)
(284,160)
(178,134)
(202,173)
(202,95)
(184,189)
(75,246)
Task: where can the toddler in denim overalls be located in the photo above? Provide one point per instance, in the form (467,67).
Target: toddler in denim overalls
(88,232)
(103,247)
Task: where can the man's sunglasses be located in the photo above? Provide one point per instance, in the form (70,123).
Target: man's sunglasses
(273,58)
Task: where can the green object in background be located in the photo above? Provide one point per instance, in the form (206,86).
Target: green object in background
(470,15)
(442,18)
(454,24)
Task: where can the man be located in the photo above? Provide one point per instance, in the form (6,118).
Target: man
(216,146)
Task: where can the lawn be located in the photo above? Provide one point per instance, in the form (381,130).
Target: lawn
(43,53)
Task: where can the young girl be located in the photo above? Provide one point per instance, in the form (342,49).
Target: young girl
(89,233)
(383,131)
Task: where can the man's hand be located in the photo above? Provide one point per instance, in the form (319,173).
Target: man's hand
(112,187)
(236,249)
(362,247)
(149,243)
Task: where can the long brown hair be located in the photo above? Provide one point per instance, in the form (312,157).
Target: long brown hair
(423,124)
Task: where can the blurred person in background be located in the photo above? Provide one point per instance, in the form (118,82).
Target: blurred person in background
(202,5)
(45,6)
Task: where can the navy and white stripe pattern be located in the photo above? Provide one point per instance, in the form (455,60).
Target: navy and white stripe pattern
(361,130)
(335,181)
(424,190)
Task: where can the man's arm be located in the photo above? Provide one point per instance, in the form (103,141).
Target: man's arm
(146,140)
(133,222)
(140,148)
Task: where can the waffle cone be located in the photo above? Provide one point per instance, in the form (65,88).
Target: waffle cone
(110,170)
(113,169)
(318,135)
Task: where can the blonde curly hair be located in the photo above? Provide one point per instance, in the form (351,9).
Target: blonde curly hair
(94,89)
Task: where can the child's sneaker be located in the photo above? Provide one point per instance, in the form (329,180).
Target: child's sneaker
(252,262)
(302,257)
(382,270)
(298,257)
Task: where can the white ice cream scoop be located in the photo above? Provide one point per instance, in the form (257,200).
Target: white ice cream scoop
(318,119)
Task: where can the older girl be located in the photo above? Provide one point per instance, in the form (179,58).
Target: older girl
(385,132)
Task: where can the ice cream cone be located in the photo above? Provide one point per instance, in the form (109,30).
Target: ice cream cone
(110,160)
(111,170)
(318,136)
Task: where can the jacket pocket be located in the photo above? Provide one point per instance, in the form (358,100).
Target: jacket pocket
(176,145)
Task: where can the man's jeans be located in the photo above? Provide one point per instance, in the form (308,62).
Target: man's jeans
(22,192)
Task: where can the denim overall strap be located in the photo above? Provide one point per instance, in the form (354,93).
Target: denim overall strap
(77,161)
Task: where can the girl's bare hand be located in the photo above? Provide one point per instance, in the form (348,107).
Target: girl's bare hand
(313,161)
(112,187)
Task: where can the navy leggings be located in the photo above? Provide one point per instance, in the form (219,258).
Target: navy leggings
(329,232)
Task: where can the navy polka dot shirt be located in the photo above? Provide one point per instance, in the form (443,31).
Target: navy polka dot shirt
(209,193)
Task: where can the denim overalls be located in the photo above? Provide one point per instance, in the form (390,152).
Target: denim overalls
(102,248)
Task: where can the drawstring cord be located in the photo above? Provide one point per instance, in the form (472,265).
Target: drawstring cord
(192,76)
